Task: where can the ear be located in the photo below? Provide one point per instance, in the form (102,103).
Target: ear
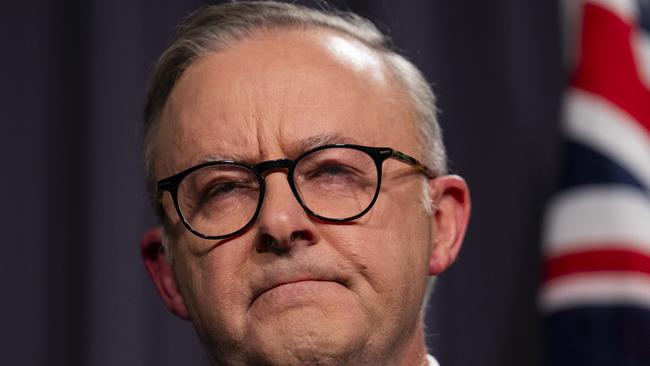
(450,195)
(160,270)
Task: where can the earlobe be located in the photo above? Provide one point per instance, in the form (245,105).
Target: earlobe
(159,268)
(450,195)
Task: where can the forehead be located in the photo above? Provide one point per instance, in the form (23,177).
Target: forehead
(266,95)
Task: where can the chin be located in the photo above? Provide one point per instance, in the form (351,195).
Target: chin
(308,336)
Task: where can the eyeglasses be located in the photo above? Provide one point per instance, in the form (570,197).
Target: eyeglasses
(334,183)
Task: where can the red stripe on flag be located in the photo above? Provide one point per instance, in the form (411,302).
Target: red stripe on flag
(618,260)
(607,66)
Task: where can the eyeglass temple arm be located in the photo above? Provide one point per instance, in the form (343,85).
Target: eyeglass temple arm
(413,162)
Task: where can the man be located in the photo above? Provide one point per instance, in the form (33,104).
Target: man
(299,227)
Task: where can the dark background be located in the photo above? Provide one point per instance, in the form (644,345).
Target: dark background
(73,76)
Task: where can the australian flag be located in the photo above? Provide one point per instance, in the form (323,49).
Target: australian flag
(596,288)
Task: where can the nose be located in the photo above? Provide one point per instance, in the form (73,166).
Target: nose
(283,224)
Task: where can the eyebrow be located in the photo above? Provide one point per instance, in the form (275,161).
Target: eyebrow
(220,157)
(302,146)
(321,140)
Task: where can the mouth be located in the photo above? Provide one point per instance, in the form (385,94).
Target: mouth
(294,286)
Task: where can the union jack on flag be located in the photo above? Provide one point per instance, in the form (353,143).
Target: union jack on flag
(596,286)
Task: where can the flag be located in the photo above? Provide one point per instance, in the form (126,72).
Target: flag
(595,294)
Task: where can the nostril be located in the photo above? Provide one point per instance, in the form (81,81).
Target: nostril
(267,243)
(270,242)
(302,235)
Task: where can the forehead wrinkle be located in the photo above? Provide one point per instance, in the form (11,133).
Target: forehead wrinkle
(283,109)
(233,147)
(272,121)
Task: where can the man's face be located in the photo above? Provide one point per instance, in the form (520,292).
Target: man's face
(337,292)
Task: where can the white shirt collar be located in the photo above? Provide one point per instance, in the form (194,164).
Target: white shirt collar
(432,361)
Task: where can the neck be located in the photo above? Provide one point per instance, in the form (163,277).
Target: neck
(414,352)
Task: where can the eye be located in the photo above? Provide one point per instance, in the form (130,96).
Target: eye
(223,192)
(223,189)
(220,188)
(331,173)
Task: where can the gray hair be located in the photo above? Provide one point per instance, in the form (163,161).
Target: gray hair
(214,28)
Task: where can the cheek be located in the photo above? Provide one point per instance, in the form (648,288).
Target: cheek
(401,227)
(215,292)
(389,248)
